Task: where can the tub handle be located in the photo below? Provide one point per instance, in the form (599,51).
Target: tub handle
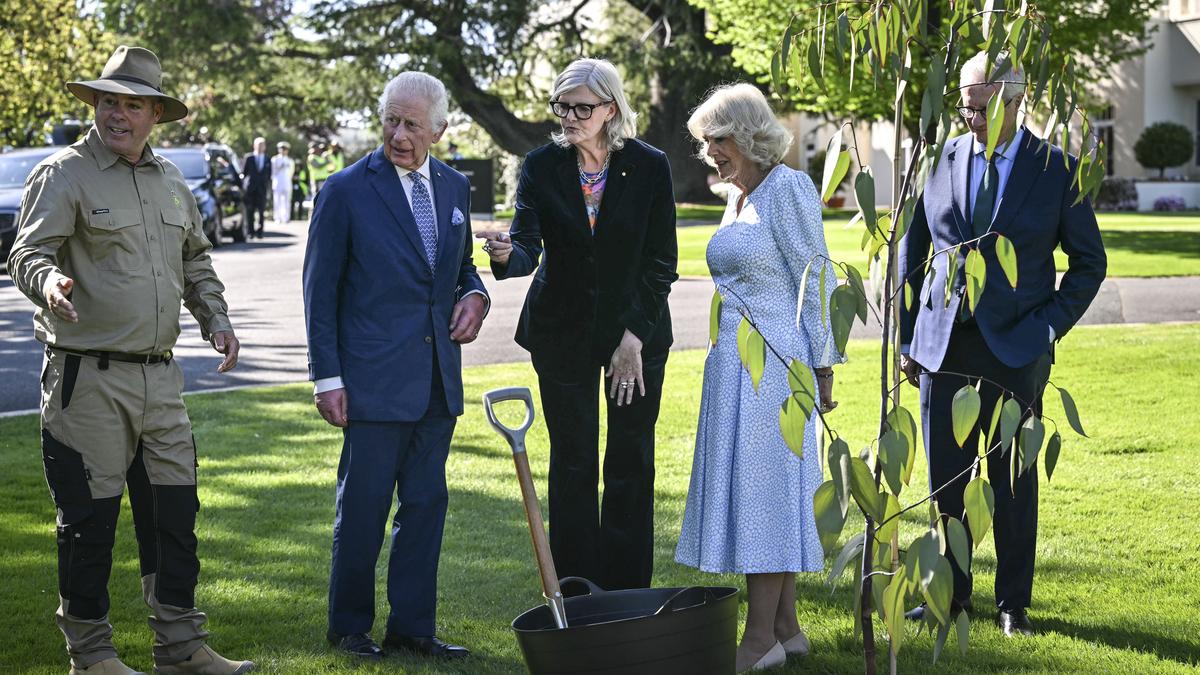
(683,595)
(592,588)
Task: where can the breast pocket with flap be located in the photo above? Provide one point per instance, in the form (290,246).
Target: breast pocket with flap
(117,239)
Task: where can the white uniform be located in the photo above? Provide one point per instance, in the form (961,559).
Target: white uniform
(281,188)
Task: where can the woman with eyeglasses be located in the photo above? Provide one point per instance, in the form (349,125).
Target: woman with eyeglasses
(595,225)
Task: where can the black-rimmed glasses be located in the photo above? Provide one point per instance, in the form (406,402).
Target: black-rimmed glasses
(583,111)
(968,112)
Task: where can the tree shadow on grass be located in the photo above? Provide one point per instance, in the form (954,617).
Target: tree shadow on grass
(1183,244)
(1127,637)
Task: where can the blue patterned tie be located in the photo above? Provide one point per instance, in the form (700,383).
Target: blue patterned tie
(422,208)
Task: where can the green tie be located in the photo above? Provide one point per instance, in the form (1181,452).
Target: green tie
(985,199)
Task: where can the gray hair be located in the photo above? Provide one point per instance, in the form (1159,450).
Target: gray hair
(415,83)
(741,112)
(1012,76)
(602,79)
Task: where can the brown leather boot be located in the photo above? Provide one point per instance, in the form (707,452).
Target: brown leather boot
(205,661)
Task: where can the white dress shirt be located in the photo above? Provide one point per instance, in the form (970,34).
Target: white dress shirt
(330,383)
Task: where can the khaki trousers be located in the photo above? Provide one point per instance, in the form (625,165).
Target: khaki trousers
(105,426)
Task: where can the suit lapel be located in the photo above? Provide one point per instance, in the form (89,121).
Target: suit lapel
(568,178)
(1024,174)
(960,171)
(442,202)
(386,183)
(619,169)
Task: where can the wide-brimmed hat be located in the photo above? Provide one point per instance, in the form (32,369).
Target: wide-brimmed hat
(132,71)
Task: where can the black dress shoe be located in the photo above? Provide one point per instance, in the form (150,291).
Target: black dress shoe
(1014,622)
(426,646)
(355,644)
(919,612)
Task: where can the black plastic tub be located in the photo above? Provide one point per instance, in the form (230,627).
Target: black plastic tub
(642,631)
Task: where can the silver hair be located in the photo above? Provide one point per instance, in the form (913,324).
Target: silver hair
(1012,76)
(602,79)
(414,83)
(741,112)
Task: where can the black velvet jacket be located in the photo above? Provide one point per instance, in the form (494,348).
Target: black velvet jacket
(589,288)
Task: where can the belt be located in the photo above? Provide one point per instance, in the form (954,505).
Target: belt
(123,357)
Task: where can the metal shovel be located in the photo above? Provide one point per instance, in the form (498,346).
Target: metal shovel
(533,512)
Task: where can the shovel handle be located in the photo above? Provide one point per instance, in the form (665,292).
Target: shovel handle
(514,436)
(533,511)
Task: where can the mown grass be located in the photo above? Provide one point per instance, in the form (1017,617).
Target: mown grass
(1115,589)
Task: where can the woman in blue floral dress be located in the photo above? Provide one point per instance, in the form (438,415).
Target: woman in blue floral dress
(750,504)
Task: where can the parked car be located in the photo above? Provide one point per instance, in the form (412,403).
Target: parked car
(213,173)
(15,167)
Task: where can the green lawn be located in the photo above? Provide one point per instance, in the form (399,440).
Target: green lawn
(1114,591)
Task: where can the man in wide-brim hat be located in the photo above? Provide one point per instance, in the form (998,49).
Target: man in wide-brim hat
(110,244)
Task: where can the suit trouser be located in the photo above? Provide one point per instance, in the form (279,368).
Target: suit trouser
(105,426)
(1014,525)
(256,204)
(377,459)
(612,544)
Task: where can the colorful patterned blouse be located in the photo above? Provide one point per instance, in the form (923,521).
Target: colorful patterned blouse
(593,191)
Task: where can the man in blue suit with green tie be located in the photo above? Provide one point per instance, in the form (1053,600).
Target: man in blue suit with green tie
(390,295)
(1029,198)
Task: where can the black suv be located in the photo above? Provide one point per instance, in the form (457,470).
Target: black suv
(213,173)
(15,167)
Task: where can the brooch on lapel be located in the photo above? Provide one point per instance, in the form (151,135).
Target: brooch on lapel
(456,218)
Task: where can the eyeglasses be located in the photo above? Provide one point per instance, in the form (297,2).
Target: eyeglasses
(583,111)
(968,112)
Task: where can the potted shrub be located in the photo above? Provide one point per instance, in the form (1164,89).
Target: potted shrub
(1163,145)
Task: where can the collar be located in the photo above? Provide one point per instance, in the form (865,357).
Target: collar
(105,157)
(1014,142)
(423,170)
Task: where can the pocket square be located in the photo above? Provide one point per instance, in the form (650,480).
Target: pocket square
(456,218)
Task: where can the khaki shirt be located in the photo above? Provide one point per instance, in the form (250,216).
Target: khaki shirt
(132,240)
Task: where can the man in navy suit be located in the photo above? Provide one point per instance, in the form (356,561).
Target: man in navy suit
(256,184)
(390,295)
(1028,198)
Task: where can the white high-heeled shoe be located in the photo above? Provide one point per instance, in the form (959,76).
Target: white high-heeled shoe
(797,644)
(774,658)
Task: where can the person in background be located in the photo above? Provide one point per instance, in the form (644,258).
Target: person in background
(282,168)
(595,224)
(256,183)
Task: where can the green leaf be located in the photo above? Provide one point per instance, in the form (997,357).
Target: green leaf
(814,63)
(1068,404)
(912,564)
(963,622)
(756,357)
(837,162)
(862,487)
(964,413)
(851,551)
(776,82)
(1010,421)
(980,504)
(830,519)
(843,307)
(901,420)
(1052,449)
(1033,433)
(714,318)
(800,378)
(889,525)
(908,296)
(928,554)
(854,278)
(995,117)
(864,189)
(743,335)
(893,455)
(940,589)
(893,610)
(991,433)
(1007,256)
(959,544)
(976,269)
(804,288)
(791,424)
(951,274)
(838,457)
(940,642)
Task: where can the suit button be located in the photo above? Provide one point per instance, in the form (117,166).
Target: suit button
(428,340)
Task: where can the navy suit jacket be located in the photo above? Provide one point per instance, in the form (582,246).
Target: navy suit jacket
(1036,214)
(376,314)
(256,180)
